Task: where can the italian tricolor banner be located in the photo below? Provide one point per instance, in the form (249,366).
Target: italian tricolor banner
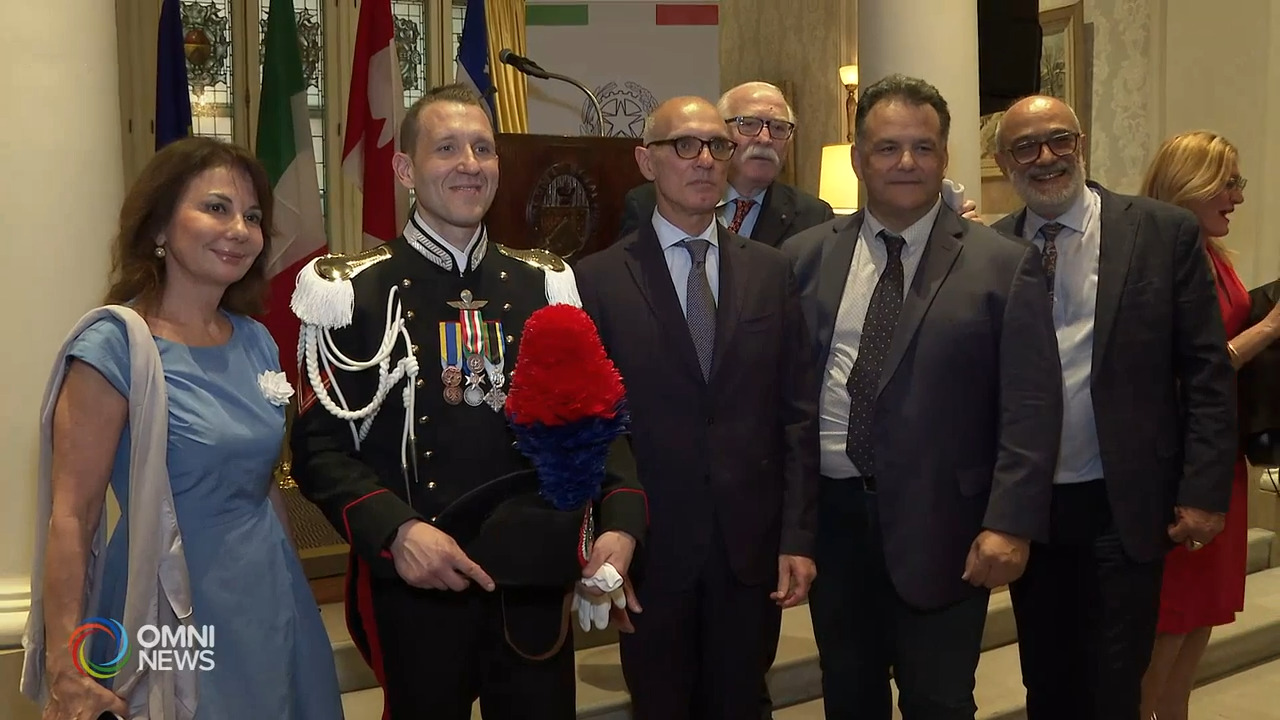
(285,149)
(633,55)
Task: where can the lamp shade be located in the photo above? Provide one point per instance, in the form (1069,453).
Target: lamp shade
(849,74)
(838,185)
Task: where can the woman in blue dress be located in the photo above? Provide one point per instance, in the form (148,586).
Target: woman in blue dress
(190,258)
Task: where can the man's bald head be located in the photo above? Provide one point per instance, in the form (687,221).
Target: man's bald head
(671,113)
(681,139)
(756,91)
(1030,109)
(1038,149)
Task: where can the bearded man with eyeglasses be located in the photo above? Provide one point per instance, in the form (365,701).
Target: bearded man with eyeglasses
(755,204)
(1148,431)
(705,327)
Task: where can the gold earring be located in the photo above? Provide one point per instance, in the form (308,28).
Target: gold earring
(160,251)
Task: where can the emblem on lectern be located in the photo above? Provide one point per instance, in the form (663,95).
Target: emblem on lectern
(562,209)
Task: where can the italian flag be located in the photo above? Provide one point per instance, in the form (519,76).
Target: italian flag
(285,149)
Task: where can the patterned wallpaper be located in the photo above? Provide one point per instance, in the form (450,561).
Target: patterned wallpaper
(1124,119)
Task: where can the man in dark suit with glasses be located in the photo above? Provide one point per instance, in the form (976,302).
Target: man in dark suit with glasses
(1148,427)
(755,204)
(706,329)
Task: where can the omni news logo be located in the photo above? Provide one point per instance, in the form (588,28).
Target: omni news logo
(158,648)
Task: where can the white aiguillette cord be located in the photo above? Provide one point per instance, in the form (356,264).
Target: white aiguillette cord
(318,348)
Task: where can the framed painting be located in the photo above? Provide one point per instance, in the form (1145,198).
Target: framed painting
(1062,75)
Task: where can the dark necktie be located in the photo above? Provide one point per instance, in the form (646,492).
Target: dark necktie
(744,206)
(873,348)
(1049,231)
(700,304)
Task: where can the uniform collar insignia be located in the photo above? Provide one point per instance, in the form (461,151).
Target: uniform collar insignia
(431,246)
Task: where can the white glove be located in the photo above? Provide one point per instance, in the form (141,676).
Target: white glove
(595,610)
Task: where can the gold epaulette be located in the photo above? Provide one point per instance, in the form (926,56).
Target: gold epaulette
(537,257)
(323,296)
(336,268)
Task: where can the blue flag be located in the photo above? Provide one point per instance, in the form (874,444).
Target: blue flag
(173,98)
(473,57)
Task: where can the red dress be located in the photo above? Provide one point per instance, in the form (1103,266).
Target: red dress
(1206,587)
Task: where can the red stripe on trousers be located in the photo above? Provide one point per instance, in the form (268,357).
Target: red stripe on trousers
(359,575)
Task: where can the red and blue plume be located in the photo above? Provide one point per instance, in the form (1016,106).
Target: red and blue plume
(566,404)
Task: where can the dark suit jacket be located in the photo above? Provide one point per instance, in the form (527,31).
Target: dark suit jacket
(736,456)
(969,412)
(784,212)
(1163,387)
(1259,388)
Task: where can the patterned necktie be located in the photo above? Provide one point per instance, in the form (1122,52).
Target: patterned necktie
(744,206)
(700,304)
(1049,231)
(873,348)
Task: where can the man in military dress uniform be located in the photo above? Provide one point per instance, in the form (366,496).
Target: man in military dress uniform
(408,349)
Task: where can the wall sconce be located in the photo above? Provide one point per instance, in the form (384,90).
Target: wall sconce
(837,183)
(849,77)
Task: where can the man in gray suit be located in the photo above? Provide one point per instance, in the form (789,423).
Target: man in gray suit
(939,419)
(756,205)
(1149,439)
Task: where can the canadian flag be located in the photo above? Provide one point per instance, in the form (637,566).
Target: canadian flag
(374,111)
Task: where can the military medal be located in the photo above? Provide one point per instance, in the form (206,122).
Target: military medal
(495,361)
(450,358)
(451,377)
(472,343)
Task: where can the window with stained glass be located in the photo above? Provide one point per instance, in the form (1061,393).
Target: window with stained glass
(207,32)
(410,18)
(223,43)
(458,15)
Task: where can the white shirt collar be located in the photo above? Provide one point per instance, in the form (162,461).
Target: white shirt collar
(1075,218)
(434,248)
(670,235)
(916,235)
(733,194)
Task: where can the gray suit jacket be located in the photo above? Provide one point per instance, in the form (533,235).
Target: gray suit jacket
(784,212)
(1163,387)
(969,411)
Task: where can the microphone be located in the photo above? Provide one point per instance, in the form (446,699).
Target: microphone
(523,64)
(533,69)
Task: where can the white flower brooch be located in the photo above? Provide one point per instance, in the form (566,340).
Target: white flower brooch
(275,387)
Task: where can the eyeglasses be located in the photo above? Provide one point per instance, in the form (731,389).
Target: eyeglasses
(1235,182)
(689,147)
(751,126)
(1028,151)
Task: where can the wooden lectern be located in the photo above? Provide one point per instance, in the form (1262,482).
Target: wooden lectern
(562,194)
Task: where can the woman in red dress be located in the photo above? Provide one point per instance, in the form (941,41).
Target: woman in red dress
(1204,586)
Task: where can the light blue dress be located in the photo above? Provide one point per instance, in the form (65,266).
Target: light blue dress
(272,654)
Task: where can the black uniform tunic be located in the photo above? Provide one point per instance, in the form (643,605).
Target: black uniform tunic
(434,652)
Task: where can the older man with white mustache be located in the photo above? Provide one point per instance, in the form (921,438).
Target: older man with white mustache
(755,206)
